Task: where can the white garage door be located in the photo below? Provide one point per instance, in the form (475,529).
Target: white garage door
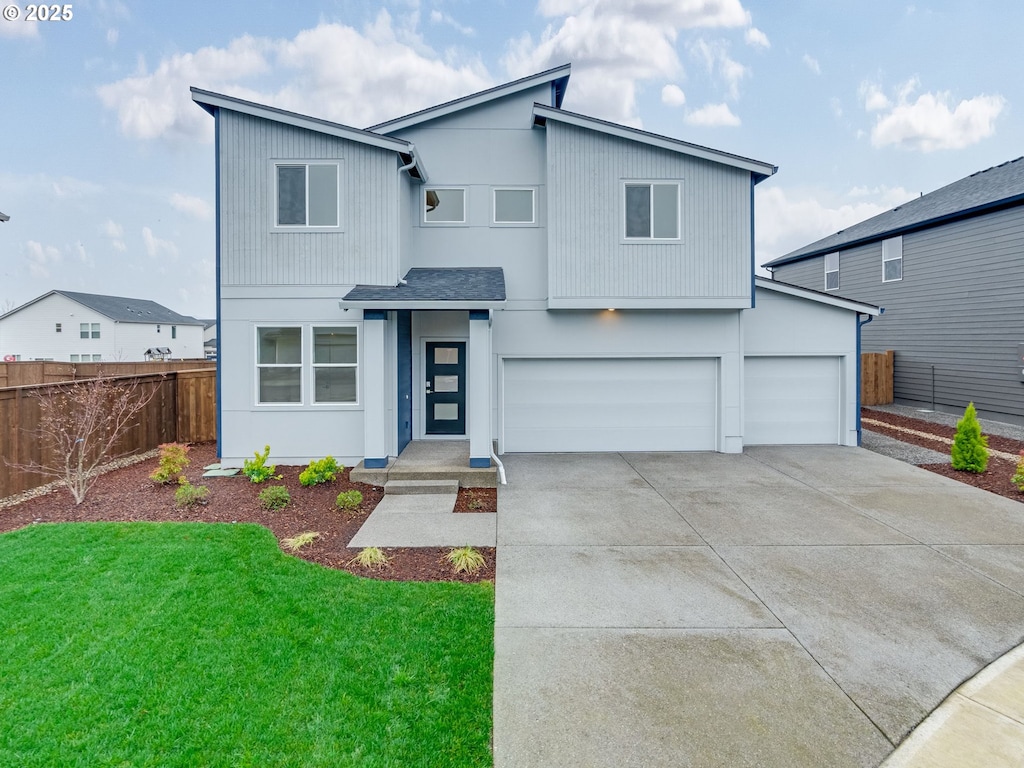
(610,404)
(791,400)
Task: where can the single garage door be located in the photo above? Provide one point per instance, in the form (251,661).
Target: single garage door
(791,401)
(591,404)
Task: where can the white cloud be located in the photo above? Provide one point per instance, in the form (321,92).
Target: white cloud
(712,116)
(673,96)
(811,63)
(438,17)
(115,233)
(756,38)
(157,248)
(192,206)
(715,57)
(685,14)
(40,258)
(890,197)
(873,97)
(19,28)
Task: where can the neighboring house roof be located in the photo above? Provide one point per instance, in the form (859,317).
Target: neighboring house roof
(823,298)
(760,170)
(120,309)
(4,216)
(423,288)
(557,76)
(998,187)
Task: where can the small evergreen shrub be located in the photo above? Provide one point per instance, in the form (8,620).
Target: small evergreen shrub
(189,495)
(173,460)
(1018,478)
(320,471)
(274,497)
(970,447)
(465,560)
(349,500)
(257,469)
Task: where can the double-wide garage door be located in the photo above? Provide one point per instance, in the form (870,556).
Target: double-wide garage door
(609,404)
(791,400)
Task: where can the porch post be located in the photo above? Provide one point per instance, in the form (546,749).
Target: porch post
(375,434)
(478,407)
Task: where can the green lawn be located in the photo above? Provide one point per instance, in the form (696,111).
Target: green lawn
(203,645)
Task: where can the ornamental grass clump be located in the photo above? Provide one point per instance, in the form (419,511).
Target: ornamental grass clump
(970,447)
(295,543)
(370,557)
(173,460)
(1018,477)
(465,560)
(320,471)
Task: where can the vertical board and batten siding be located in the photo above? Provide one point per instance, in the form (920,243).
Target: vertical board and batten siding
(364,250)
(586,255)
(958,308)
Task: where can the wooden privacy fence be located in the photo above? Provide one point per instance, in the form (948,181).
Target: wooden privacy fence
(876,370)
(182,409)
(25,374)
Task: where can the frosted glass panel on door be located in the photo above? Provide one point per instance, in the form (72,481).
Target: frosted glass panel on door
(446,411)
(446,383)
(446,355)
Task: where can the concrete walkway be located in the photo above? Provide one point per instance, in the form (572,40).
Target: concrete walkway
(791,606)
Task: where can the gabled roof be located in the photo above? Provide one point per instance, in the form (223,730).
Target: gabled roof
(1001,186)
(435,288)
(558,77)
(760,170)
(120,309)
(824,298)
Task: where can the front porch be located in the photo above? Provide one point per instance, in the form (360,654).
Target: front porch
(430,460)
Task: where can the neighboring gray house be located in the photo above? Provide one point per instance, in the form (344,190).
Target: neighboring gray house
(499,269)
(949,269)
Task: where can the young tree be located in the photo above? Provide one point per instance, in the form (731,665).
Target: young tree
(970,447)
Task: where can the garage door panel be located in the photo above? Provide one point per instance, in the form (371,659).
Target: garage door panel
(791,400)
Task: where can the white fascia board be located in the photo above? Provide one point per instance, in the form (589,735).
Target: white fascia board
(652,139)
(209,99)
(821,298)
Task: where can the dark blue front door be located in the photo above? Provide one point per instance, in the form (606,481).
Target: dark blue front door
(446,388)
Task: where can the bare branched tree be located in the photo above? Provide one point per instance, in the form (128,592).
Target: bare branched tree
(80,425)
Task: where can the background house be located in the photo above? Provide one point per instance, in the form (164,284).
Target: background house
(68,326)
(949,269)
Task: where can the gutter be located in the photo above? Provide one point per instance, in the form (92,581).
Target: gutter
(860,324)
(415,162)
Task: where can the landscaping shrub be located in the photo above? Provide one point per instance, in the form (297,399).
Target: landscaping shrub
(320,471)
(370,557)
(1018,478)
(349,500)
(274,497)
(257,469)
(189,495)
(465,560)
(173,460)
(295,543)
(970,447)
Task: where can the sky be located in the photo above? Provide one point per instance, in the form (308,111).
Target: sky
(107,167)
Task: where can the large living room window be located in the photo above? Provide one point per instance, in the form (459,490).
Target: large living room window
(335,359)
(651,210)
(279,365)
(306,195)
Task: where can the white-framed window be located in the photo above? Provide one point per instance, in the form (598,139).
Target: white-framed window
(74,359)
(174,331)
(335,364)
(58,328)
(86,358)
(444,205)
(306,195)
(651,210)
(89,330)
(514,206)
(279,365)
(892,259)
(832,271)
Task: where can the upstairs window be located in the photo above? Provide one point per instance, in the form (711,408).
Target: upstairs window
(444,205)
(174,331)
(89,330)
(892,259)
(58,327)
(831,271)
(652,211)
(306,195)
(514,206)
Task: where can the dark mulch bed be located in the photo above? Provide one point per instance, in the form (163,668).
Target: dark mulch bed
(997,478)
(128,495)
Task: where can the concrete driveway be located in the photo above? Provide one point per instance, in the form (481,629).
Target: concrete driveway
(791,606)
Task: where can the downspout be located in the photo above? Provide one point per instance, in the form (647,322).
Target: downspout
(501,467)
(860,324)
(414,162)
(218,381)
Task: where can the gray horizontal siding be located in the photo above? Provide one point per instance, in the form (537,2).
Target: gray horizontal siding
(364,251)
(959,308)
(586,256)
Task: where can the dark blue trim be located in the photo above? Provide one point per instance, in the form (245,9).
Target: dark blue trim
(375,463)
(218,383)
(404,376)
(375,314)
(480,463)
(753,257)
(860,324)
(479,314)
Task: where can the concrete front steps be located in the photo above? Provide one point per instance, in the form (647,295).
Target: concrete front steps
(415,487)
(430,460)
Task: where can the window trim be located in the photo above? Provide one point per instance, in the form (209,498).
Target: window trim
(257,365)
(88,330)
(313,365)
(831,271)
(895,244)
(465,206)
(306,162)
(678,184)
(495,222)
(307,377)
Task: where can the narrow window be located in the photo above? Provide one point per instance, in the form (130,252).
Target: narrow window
(95,330)
(892,259)
(174,331)
(74,358)
(514,206)
(444,206)
(58,327)
(831,271)
(652,211)
(83,330)
(335,359)
(307,195)
(279,365)
(97,358)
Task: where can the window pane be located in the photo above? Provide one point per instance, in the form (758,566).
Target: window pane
(280,385)
(831,262)
(447,205)
(638,210)
(323,195)
(446,411)
(334,385)
(95,330)
(893,269)
(97,358)
(280,345)
(83,330)
(666,210)
(334,345)
(513,205)
(446,383)
(446,355)
(74,358)
(291,195)
(831,281)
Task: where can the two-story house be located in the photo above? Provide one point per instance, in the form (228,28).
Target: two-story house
(499,270)
(949,268)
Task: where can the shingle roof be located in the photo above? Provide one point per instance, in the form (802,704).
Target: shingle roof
(995,187)
(124,310)
(460,286)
